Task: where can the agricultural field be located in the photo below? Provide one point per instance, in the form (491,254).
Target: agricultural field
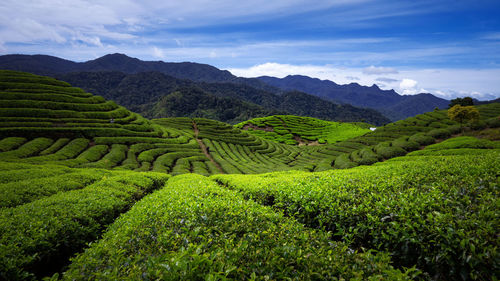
(92,191)
(301,130)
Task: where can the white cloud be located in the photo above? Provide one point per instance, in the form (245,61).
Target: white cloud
(158,53)
(409,87)
(373,70)
(91,40)
(57,21)
(354,78)
(282,70)
(446,83)
(387,80)
(408,84)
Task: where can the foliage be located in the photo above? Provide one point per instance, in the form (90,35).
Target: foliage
(466,101)
(156,95)
(212,233)
(463,114)
(288,129)
(429,213)
(36,234)
(436,213)
(458,146)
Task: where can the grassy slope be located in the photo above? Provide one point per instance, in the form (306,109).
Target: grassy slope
(291,129)
(47,121)
(435,214)
(438,213)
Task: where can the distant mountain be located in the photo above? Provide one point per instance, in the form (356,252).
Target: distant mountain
(388,102)
(49,65)
(156,95)
(134,83)
(148,93)
(478,102)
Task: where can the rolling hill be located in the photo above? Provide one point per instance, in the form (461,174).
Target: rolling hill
(91,190)
(293,130)
(227,102)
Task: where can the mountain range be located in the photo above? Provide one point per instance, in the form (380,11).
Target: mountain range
(270,93)
(156,95)
(388,102)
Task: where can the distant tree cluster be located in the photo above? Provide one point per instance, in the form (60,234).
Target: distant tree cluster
(463,114)
(466,101)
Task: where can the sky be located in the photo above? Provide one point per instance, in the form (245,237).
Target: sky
(450,48)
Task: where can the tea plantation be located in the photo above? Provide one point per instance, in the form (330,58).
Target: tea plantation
(302,130)
(92,191)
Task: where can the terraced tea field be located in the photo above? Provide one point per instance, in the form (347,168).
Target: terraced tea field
(92,191)
(302,130)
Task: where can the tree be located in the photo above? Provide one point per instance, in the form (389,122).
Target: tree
(463,114)
(467,101)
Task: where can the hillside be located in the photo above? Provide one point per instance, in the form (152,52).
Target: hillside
(47,121)
(293,130)
(390,103)
(156,95)
(229,102)
(43,120)
(90,190)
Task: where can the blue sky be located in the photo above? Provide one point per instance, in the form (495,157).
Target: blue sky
(449,48)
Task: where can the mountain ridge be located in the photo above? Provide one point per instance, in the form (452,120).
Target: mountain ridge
(198,72)
(140,91)
(388,102)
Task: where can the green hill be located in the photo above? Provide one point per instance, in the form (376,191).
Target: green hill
(147,93)
(90,190)
(43,120)
(299,130)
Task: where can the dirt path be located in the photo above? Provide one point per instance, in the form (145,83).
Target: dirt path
(204,147)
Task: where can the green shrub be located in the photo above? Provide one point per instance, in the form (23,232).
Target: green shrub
(388,152)
(199,167)
(71,150)
(32,147)
(21,192)
(134,140)
(11,143)
(200,231)
(422,139)
(406,144)
(11,172)
(55,146)
(464,142)
(478,125)
(57,105)
(437,214)
(343,162)
(93,153)
(113,158)
(37,233)
(4,85)
(439,133)
(58,97)
(165,162)
(493,122)
(131,162)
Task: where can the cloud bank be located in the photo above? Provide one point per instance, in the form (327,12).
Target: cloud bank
(445,83)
